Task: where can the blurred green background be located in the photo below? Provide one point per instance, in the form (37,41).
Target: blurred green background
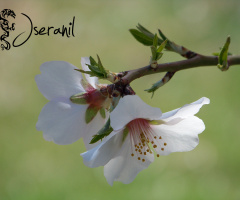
(32,168)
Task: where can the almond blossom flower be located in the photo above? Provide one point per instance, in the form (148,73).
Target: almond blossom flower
(76,108)
(139,131)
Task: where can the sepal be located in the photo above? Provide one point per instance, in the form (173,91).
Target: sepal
(103,132)
(125,134)
(102,113)
(79,98)
(91,112)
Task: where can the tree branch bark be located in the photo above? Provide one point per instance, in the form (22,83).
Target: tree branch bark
(197,61)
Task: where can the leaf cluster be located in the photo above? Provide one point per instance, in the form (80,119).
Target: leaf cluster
(96,69)
(157,51)
(144,36)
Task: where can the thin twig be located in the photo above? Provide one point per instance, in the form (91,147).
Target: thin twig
(197,61)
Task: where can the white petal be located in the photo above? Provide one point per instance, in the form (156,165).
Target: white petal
(64,122)
(116,156)
(96,124)
(92,80)
(59,79)
(132,107)
(123,167)
(186,111)
(106,150)
(182,136)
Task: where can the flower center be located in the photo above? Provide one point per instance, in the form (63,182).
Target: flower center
(95,98)
(143,138)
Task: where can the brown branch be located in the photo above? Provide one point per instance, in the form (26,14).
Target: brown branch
(197,61)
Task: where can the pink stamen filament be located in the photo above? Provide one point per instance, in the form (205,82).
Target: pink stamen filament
(141,134)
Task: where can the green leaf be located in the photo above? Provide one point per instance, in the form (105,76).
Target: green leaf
(154,52)
(154,87)
(162,46)
(91,112)
(144,36)
(155,41)
(79,98)
(94,69)
(101,68)
(158,56)
(103,132)
(169,45)
(102,112)
(222,58)
(141,37)
(162,35)
(160,83)
(92,61)
(145,31)
(86,72)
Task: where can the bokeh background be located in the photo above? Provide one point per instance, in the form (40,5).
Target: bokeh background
(32,168)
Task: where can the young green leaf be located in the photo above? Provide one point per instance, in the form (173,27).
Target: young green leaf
(154,87)
(160,83)
(155,41)
(103,132)
(101,68)
(158,56)
(92,61)
(86,72)
(154,52)
(94,69)
(162,46)
(141,37)
(162,35)
(145,31)
(222,58)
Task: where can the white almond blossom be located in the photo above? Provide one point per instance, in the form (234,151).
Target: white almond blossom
(61,120)
(139,132)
